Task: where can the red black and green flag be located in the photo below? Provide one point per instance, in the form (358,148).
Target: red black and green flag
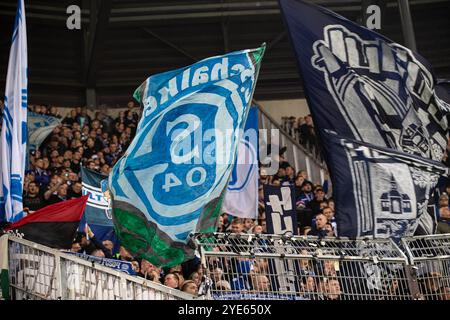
(53,226)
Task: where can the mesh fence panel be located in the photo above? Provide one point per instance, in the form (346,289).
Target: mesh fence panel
(253,267)
(37,272)
(430,256)
(275,267)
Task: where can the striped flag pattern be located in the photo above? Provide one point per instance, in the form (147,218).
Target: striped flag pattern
(14,126)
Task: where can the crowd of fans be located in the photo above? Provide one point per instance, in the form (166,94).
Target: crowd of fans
(98,142)
(54,175)
(302,129)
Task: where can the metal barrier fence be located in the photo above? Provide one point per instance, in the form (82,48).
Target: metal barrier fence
(37,272)
(252,267)
(430,256)
(298,268)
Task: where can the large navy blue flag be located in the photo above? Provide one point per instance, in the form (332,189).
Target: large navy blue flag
(98,212)
(366,88)
(382,192)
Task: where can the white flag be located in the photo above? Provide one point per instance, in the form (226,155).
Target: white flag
(14,126)
(241,199)
(39,127)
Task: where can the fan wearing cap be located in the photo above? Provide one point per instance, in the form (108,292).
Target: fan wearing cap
(319,197)
(290,175)
(306,195)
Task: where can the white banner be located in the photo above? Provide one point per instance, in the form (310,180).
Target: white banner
(241,199)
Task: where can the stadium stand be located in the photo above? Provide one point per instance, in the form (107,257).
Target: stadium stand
(240,260)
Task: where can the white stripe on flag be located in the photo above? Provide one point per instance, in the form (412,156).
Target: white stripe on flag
(241,199)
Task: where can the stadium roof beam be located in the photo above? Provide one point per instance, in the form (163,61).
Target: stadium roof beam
(170,44)
(276,40)
(9,9)
(88,33)
(136,13)
(226,38)
(292,75)
(96,39)
(216,10)
(59,82)
(222,6)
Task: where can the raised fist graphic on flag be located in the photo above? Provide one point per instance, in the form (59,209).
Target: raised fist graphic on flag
(379,88)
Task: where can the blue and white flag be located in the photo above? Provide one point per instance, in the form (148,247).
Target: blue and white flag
(39,127)
(122,266)
(366,88)
(13,142)
(241,199)
(171,180)
(98,210)
(281,212)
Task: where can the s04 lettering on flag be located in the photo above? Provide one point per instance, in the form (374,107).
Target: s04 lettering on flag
(171,181)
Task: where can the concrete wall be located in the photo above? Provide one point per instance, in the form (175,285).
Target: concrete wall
(283,108)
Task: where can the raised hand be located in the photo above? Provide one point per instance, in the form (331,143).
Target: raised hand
(378,84)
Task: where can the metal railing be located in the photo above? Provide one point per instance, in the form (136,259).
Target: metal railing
(252,267)
(37,272)
(296,154)
(300,267)
(430,256)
